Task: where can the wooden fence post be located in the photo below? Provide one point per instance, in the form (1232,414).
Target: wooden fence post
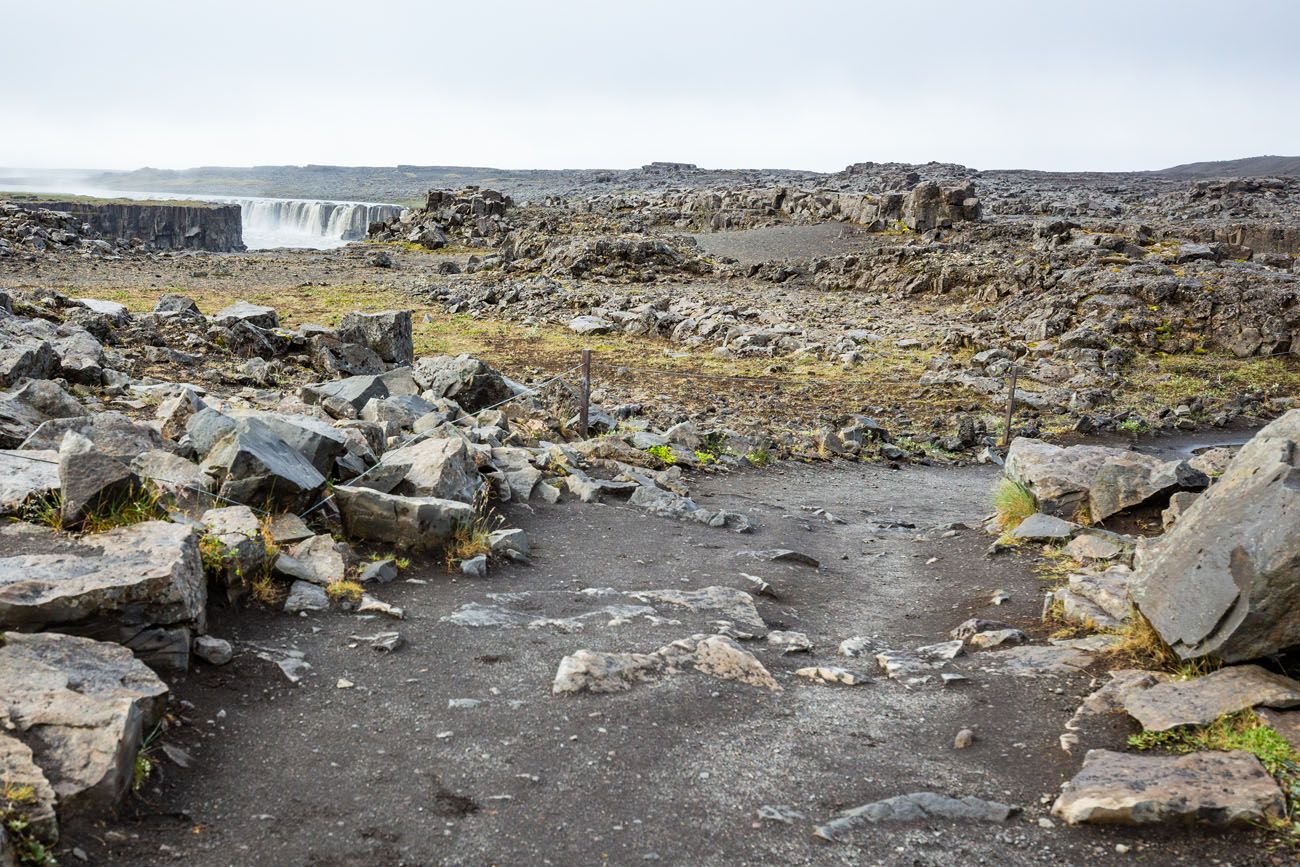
(586,393)
(1011,405)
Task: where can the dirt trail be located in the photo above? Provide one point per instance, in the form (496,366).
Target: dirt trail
(672,771)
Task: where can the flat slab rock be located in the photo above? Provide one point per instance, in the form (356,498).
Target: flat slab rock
(715,655)
(914,807)
(147,573)
(1212,788)
(1203,700)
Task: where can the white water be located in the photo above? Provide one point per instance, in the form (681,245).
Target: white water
(307,223)
(267,223)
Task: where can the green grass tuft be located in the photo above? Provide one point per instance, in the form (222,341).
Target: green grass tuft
(1013,502)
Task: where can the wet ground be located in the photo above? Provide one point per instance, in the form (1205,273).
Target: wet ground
(675,771)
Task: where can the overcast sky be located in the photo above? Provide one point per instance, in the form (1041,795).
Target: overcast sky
(564,84)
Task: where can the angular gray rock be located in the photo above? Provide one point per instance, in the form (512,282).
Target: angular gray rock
(1202,700)
(408,522)
(442,468)
(235,549)
(715,655)
(244,311)
(90,479)
(18,768)
(914,807)
(214,651)
(83,707)
(1106,480)
(387,333)
(1225,581)
(1039,527)
(468,381)
(252,465)
(26,476)
(111,432)
(1212,788)
(304,596)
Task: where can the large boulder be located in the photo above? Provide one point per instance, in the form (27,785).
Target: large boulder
(1225,581)
(387,333)
(83,708)
(470,382)
(252,465)
(141,585)
(1104,480)
(407,522)
(442,468)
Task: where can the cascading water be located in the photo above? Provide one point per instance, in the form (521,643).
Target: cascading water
(319,224)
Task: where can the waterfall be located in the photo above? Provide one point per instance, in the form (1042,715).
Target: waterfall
(308,223)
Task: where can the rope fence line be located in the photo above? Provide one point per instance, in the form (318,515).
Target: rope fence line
(583,397)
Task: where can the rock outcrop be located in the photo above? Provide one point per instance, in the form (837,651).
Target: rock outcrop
(1225,581)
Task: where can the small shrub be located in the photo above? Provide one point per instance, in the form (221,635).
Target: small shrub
(759,457)
(14,803)
(706,458)
(1013,502)
(664,454)
(472,537)
(1132,426)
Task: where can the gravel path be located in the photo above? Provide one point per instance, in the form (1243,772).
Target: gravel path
(673,771)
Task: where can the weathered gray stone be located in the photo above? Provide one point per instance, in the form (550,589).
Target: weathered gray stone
(184,482)
(90,479)
(1092,546)
(83,707)
(1212,788)
(254,466)
(18,769)
(237,552)
(475,567)
(1039,527)
(214,651)
(590,325)
(1225,581)
(320,560)
(174,412)
(1202,700)
(244,311)
(387,333)
(442,468)
(130,577)
(468,381)
(409,522)
(914,807)
(357,391)
(380,571)
(304,596)
(714,655)
(25,476)
(1106,480)
(111,432)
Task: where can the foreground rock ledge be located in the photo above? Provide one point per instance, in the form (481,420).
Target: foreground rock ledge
(1210,788)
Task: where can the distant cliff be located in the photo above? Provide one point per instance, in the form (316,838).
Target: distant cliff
(162,226)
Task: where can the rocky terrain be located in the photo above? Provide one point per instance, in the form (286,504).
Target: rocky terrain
(779,570)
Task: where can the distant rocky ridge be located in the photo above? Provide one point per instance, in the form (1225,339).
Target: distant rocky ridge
(407,183)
